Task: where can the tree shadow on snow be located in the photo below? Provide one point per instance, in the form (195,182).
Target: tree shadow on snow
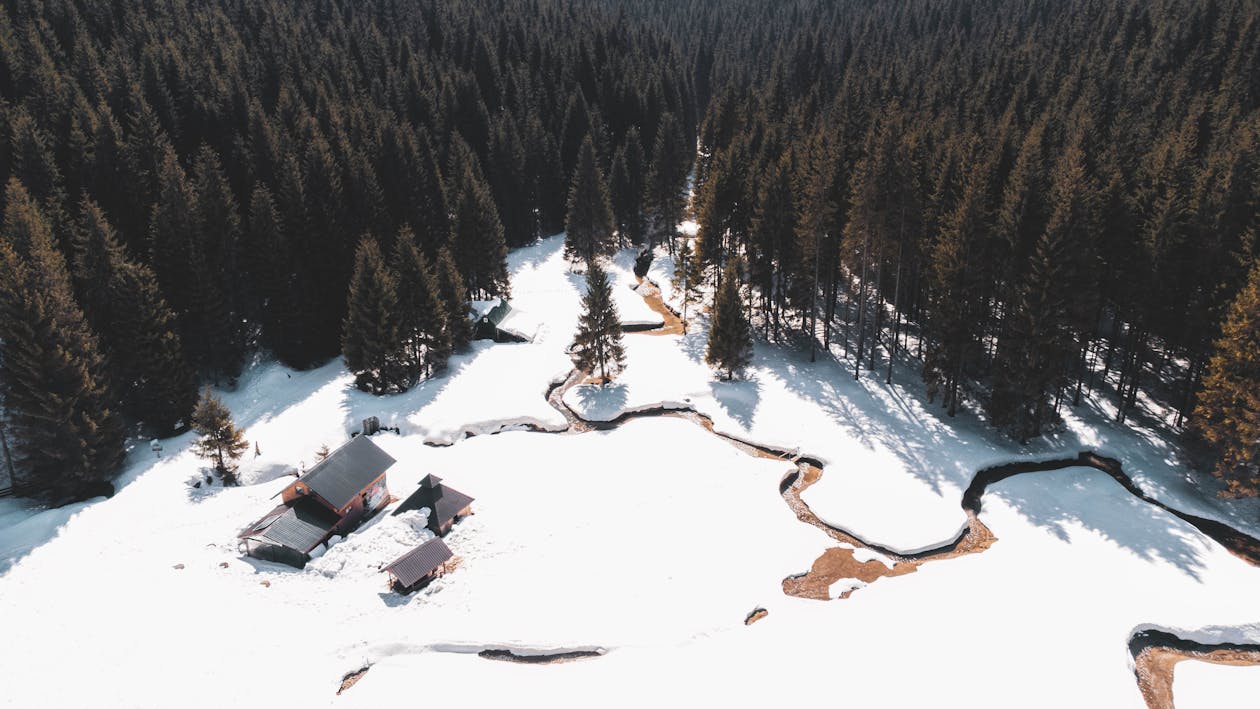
(738,398)
(601,402)
(946,452)
(1099,504)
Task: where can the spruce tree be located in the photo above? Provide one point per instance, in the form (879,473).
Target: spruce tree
(628,200)
(454,300)
(589,225)
(671,160)
(688,276)
(476,239)
(730,336)
(1227,415)
(220,442)
(370,339)
(598,341)
(66,439)
(137,329)
(422,314)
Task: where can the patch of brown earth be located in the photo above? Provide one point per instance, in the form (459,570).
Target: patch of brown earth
(838,562)
(351,677)
(1155,667)
(756,615)
(652,296)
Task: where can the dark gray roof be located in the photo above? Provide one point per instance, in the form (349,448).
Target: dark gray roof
(443,501)
(419,562)
(301,525)
(347,470)
(498,312)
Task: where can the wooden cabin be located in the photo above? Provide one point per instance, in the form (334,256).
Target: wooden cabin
(503,323)
(446,504)
(419,566)
(332,498)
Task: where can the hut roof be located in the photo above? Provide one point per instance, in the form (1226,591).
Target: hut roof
(346,471)
(443,501)
(419,562)
(496,314)
(300,525)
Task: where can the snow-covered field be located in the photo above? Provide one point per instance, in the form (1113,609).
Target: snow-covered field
(650,542)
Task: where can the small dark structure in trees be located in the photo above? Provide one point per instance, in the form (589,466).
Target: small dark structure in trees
(333,497)
(419,566)
(494,325)
(446,504)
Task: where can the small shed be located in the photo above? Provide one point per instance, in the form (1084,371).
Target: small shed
(419,566)
(290,532)
(446,504)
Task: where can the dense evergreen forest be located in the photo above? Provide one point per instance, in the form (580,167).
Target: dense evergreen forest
(1028,199)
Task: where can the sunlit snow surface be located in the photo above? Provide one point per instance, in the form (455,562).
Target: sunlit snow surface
(650,542)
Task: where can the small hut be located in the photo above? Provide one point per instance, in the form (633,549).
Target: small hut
(289,533)
(446,504)
(419,566)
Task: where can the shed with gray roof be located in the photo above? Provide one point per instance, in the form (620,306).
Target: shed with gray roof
(420,565)
(446,504)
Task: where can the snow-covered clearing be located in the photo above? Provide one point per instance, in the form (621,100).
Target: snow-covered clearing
(650,542)
(1199,684)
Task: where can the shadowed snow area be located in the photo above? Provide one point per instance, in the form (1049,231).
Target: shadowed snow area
(649,543)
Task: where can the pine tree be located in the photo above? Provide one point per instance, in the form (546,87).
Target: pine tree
(454,300)
(66,439)
(772,237)
(730,336)
(137,329)
(422,314)
(688,276)
(1228,412)
(671,160)
(476,239)
(589,225)
(598,341)
(220,440)
(218,220)
(370,339)
(628,197)
(955,281)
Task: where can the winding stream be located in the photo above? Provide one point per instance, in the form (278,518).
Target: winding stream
(1155,653)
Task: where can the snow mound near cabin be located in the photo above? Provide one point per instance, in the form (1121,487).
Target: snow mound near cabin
(374,545)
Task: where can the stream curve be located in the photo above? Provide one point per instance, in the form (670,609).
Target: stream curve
(1154,652)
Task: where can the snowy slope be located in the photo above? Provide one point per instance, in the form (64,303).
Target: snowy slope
(650,542)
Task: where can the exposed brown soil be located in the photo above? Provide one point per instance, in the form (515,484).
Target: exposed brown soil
(838,562)
(1154,661)
(1155,665)
(549,659)
(652,296)
(351,677)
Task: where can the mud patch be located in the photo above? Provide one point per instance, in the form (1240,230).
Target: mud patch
(351,677)
(1156,654)
(756,615)
(839,563)
(652,296)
